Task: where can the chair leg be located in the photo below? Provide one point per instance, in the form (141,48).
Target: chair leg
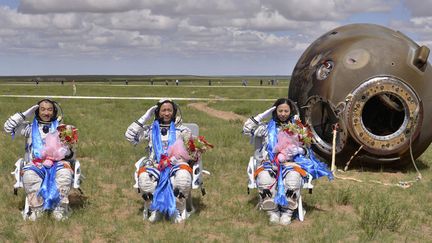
(145,213)
(189,205)
(25,212)
(300,209)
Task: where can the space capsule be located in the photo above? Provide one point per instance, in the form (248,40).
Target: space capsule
(374,85)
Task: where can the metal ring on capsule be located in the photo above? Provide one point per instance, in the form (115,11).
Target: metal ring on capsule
(383,87)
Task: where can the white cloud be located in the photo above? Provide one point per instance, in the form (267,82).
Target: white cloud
(419,8)
(316,10)
(139,20)
(11,19)
(66,21)
(184,28)
(94,33)
(68,34)
(167,7)
(419,29)
(65,6)
(267,20)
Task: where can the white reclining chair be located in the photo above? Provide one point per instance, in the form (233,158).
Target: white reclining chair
(197,171)
(19,164)
(253,165)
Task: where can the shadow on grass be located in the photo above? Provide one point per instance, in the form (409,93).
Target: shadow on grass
(421,165)
(253,201)
(360,166)
(197,202)
(77,199)
(312,208)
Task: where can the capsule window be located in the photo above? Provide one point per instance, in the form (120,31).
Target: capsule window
(324,70)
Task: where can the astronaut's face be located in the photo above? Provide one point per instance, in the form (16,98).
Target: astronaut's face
(46,111)
(283,111)
(166,112)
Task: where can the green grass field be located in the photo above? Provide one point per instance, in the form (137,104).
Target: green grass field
(337,211)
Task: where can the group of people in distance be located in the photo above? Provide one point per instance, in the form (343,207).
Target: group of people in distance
(164,175)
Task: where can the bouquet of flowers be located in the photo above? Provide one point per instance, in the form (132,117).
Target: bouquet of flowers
(196,146)
(297,128)
(190,149)
(68,135)
(53,150)
(288,146)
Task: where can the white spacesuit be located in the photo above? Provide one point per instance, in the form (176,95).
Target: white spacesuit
(266,171)
(148,168)
(34,173)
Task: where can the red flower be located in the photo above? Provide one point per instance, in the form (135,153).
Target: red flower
(202,139)
(61,128)
(299,123)
(75,137)
(191,145)
(68,134)
(196,146)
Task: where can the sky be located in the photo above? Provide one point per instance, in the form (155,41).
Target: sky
(196,37)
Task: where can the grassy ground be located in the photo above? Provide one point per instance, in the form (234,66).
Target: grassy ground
(99,89)
(341,210)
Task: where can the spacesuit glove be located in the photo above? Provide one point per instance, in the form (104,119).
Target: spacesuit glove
(17,119)
(132,132)
(13,122)
(30,111)
(265,114)
(149,113)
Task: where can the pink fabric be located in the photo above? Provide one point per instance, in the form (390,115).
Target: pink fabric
(287,146)
(178,150)
(53,150)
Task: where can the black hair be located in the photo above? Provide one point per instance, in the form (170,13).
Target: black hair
(293,109)
(55,109)
(159,104)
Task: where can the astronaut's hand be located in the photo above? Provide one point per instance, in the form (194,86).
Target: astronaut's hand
(30,111)
(17,119)
(13,122)
(265,114)
(149,113)
(132,132)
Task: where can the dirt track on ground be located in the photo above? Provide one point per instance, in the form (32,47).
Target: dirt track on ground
(225,115)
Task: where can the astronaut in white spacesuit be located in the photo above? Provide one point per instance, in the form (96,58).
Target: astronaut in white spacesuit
(164,129)
(47,182)
(267,170)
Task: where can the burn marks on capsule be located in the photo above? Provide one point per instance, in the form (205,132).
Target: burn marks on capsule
(356,59)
